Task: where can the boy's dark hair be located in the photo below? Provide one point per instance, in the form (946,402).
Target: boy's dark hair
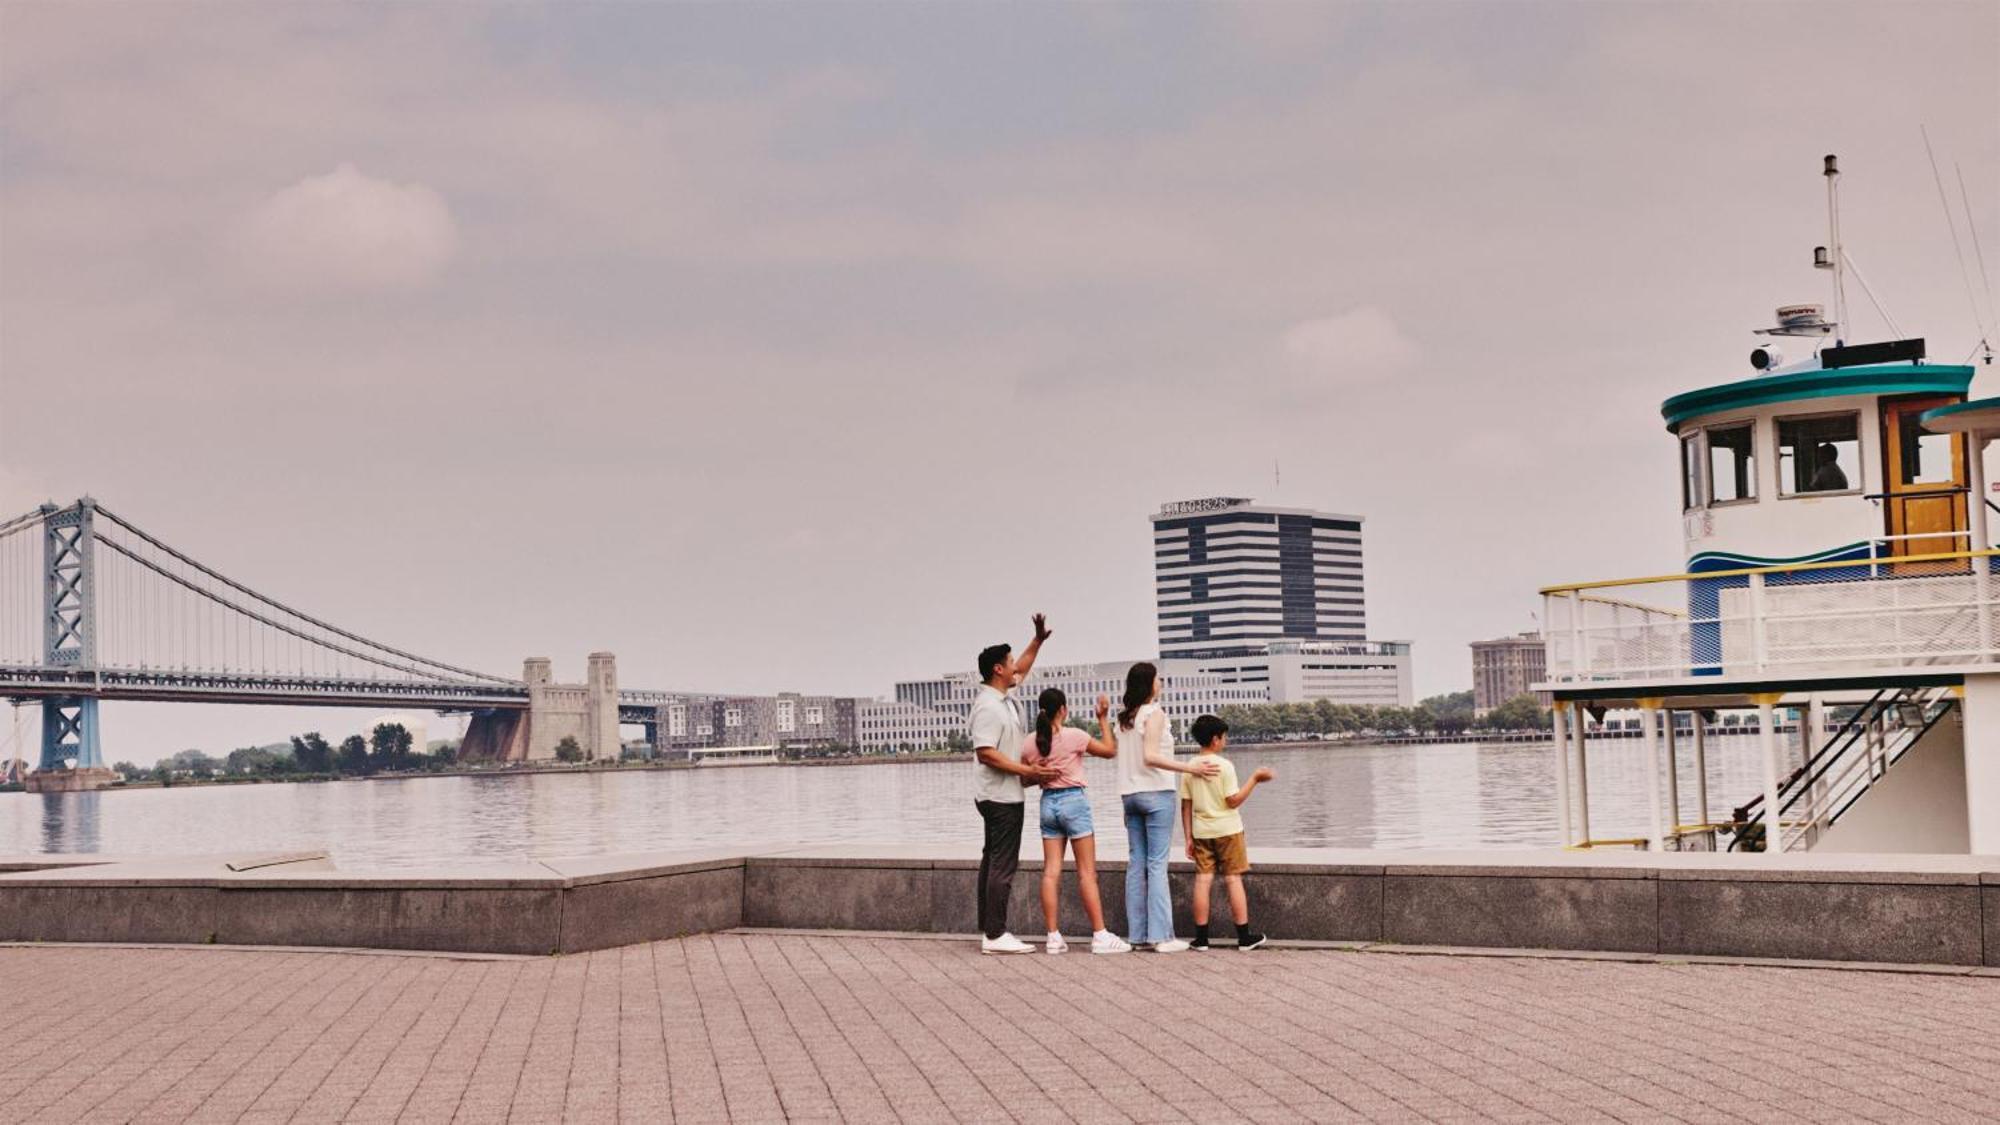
(1207,729)
(990,658)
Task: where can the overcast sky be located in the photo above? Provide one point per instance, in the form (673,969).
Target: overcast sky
(812,346)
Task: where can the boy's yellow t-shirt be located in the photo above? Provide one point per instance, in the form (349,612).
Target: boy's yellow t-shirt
(1213,818)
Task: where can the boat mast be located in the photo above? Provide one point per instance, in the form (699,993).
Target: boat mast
(1837,260)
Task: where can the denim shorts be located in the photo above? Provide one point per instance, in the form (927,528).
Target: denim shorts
(1066,814)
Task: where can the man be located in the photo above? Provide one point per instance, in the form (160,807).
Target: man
(997,733)
(1828,477)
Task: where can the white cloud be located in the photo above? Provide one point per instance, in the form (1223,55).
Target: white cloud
(347,230)
(1362,345)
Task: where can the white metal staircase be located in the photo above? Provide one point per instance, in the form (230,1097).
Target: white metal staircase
(1853,758)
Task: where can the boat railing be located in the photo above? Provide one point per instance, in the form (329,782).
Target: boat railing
(1837,616)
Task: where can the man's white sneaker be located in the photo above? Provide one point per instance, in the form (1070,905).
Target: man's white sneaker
(1171,945)
(1108,942)
(1005,943)
(1057,944)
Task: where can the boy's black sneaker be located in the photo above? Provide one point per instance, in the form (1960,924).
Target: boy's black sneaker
(1249,941)
(1199,944)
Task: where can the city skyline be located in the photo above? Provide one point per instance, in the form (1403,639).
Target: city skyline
(774,348)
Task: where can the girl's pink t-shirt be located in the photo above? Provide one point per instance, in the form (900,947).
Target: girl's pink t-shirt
(1066,750)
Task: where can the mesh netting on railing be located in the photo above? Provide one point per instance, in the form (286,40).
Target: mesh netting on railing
(1780,621)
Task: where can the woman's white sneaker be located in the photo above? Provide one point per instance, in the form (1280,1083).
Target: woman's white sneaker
(1104,941)
(1171,945)
(1057,944)
(1005,943)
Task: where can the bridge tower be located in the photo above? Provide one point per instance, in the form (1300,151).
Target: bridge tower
(69,632)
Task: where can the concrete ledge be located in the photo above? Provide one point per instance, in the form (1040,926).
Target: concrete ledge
(1819,920)
(111,912)
(670,904)
(1616,913)
(1938,910)
(479,919)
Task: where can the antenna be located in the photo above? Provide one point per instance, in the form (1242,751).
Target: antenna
(1838,259)
(1978,316)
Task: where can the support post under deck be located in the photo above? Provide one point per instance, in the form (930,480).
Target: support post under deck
(1701,765)
(1649,718)
(1673,774)
(1577,719)
(1767,734)
(1559,720)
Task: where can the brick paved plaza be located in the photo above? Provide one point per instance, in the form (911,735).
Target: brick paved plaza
(768,1027)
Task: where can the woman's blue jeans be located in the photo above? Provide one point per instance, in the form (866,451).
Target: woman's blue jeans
(1149,834)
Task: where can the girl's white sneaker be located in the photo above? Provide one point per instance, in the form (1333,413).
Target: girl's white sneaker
(1057,944)
(1104,941)
(1171,945)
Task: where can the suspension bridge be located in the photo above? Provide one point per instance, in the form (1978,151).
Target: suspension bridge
(94,608)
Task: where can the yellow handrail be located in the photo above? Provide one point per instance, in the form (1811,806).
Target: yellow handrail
(1641,606)
(1788,568)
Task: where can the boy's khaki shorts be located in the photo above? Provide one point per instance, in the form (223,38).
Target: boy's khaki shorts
(1226,852)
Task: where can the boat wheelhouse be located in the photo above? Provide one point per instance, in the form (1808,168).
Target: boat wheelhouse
(1837,566)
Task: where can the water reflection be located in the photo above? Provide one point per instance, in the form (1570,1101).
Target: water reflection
(71,822)
(1349,797)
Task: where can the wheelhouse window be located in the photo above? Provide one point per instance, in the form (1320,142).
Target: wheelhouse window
(1732,464)
(1817,455)
(1691,471)
(1925,457)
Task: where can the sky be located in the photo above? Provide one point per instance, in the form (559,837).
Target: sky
(810,347)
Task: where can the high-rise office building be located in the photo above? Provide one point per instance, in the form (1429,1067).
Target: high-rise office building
(1230,577)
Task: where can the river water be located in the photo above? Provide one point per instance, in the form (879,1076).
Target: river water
(1444,796)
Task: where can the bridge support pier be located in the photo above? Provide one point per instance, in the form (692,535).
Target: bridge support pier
(585,713)
(71,758)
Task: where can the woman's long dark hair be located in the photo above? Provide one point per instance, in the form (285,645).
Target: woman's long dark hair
(1138,692)
(1051,701)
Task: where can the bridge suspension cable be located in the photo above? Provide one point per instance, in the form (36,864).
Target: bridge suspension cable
(283,608)
(97,591)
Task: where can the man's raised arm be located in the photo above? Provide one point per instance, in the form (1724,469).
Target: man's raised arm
(1027,662)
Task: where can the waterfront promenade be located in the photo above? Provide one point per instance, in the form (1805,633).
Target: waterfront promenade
(769,1026)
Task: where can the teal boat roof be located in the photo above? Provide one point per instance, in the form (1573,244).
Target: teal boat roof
(1980,416)
(1763,390)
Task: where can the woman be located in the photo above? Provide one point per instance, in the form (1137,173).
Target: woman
(1147,785)
(1066,813)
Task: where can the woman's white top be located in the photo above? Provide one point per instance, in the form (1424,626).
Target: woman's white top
(1134,775)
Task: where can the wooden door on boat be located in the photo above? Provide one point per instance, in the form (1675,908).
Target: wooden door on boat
(1924,485)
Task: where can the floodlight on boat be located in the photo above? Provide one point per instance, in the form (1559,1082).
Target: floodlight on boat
(1800,320)
(1766,357)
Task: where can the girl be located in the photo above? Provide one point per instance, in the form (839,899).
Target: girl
(1148,788)
(1066,813)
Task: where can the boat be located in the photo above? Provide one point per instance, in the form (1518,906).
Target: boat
(1839,572)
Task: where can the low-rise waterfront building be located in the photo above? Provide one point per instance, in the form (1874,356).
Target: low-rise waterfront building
(1363,673)
(944,701)
(894,725)
(788,720)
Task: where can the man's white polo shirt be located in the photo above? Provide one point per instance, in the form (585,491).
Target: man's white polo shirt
(995,721)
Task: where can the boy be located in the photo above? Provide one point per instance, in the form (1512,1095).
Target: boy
(1214,832)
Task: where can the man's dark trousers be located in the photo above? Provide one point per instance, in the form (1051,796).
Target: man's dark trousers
(998,861)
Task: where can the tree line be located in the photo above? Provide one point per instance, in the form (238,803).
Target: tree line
(1440,714)
(389,748)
